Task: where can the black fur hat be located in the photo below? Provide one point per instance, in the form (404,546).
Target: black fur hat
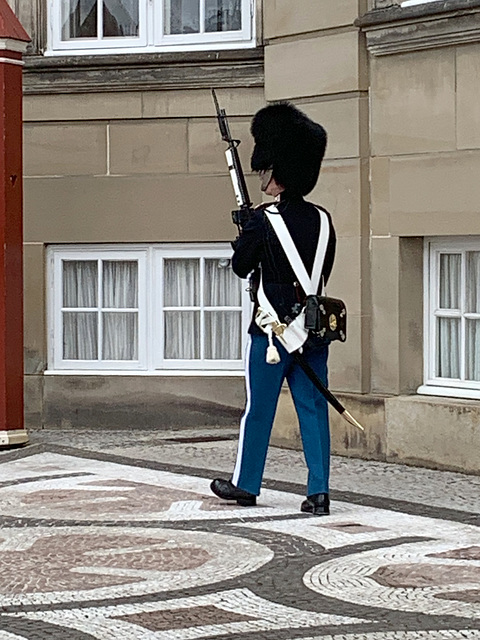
(291,144)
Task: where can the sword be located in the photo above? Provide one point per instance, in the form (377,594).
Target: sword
(334,401)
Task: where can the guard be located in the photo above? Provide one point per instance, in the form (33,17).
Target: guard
(280,240)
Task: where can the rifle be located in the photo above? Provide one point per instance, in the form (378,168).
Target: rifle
(240,217)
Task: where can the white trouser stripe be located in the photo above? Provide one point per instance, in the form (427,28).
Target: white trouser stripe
(238,464)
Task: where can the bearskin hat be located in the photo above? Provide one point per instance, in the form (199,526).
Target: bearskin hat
(290,144)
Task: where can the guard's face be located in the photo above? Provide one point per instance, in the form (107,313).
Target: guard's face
(265,178)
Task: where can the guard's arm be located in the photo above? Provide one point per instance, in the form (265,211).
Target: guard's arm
(247,247)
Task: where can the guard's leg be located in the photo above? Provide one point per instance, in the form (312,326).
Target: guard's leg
(263,385)
(312,411)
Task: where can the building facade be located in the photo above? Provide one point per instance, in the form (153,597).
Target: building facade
(127,211)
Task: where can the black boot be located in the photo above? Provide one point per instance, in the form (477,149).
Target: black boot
(227,491)
(318,504)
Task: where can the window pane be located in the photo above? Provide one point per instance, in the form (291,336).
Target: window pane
(120,284)
(222,287)
(79,19)
(182,335)
(182,283)
(80,337)
(473,282)
(473,349)
(120,336)
(448,348)
(80,283)
(182,16)
(450,270)
(223,15)
(223,335)
(120,18)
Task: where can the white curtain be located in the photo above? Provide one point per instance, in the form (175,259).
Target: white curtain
(182,328)
(222,328)
(223,335)
(80,329)
(449,338)
(80,337)
(450,274)
(182,335)
(448,348)
(79,19)
(223,15)
(120,18)
(223,288)
(120,284)
(119,328)
(448,329)
(473,326)
(182,16)
(182,283)
(80,280)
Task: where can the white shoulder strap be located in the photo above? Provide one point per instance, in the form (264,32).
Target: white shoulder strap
(309,285)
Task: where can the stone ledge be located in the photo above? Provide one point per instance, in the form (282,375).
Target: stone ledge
(433,432)
(13,437)
(143,72)
(394,29)
(449,437)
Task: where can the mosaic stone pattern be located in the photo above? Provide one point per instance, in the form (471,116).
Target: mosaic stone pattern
(92,547)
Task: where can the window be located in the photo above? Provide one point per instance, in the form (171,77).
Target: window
(163,307)
(117,26)
(411,3)
(452,323)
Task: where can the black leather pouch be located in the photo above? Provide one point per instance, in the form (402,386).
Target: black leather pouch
(326,317)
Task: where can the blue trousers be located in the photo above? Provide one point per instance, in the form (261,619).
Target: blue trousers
(263,386)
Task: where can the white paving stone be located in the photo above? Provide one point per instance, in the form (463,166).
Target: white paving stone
(100,622)
(349,578)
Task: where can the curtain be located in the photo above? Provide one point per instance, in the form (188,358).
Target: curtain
(182,283)
(448,329)
(120,284)
(80,290)
(79,19)
(182,335)
(182,16)
(448,348)
(80,282)
(182,328)
(120,18)
(223,288)
(223,15)
(450,274)
(223,335)
(221,327)
(473,326)
(119,328)
(120,336)
(80,337)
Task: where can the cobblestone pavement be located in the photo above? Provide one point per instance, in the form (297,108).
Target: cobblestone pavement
(115,535)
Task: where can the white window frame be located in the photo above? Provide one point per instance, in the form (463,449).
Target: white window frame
(412,3)
(150,330)
(433,385)
(151,36)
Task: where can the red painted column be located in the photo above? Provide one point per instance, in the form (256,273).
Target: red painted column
(13,41)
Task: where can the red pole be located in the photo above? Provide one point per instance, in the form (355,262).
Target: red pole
(13,41)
